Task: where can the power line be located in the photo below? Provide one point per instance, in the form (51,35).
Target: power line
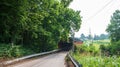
(119,4)
(100,10)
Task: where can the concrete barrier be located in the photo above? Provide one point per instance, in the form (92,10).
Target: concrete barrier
(29,56)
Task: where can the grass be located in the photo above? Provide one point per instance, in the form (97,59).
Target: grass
(97,61)
(90,56)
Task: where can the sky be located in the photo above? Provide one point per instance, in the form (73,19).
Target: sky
(96,15)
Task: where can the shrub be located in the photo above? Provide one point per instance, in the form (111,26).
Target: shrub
(113,49)
(87,49)
(7,51)
(81,48)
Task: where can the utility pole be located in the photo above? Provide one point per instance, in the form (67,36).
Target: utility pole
(90,36)
(72,35)
(73,48)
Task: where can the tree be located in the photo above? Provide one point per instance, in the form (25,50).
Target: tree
(104,36)
(37,24)
(96,37)
(114,26)
(101,37)
(11,20)
(82,37)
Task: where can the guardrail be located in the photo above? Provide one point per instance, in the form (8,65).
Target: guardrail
(29,56)
(76,64)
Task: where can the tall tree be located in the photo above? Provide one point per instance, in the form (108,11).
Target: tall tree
(11,20)
(114,26)
(39,24)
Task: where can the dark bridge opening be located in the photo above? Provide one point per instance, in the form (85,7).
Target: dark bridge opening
(64,45)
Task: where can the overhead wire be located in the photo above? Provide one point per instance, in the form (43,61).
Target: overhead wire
(106,5)
(111,6)
(119,4)
(100,10)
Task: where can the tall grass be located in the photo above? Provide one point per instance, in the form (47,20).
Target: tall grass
(90,56)
(97,61)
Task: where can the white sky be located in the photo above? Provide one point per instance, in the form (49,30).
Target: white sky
(96,15)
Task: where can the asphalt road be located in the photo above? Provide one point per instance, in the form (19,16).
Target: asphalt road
(52,60)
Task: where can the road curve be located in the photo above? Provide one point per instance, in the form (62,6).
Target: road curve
(52,60)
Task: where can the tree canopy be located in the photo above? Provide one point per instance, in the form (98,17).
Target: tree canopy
(37,23)
(114,27)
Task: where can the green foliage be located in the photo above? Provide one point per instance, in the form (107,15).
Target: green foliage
(66,2)
(101,37)
(82,48)
(115,48)
(7,50)
(114,26)
(90,61)
(87,49)
(38,24)
(111,50)
(90,56)
(113,29)
(102,42)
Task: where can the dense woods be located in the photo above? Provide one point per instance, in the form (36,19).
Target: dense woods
(37,24)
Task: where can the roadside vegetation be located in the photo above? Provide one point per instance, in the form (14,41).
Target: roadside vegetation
(102,53)
(33,26)
(8,51)
(95,55)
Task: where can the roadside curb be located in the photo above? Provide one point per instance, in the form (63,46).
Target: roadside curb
(29,56)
